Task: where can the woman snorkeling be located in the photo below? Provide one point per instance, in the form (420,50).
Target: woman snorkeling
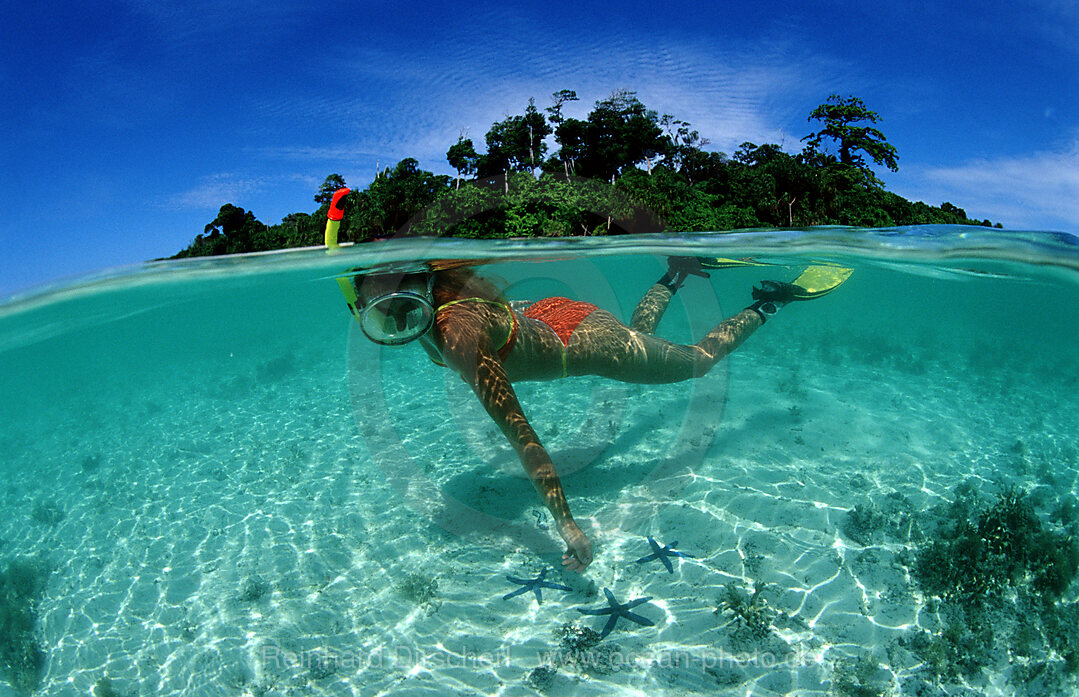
(464,322)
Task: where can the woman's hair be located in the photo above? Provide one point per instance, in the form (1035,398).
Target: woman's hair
(463,282)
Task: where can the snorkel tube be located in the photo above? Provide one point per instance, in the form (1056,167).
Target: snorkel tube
(334,216)
(333,224)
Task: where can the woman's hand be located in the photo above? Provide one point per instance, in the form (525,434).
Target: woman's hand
(578,548)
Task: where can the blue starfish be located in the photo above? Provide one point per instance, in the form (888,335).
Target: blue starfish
(662,553)
(616,609)
(534,585)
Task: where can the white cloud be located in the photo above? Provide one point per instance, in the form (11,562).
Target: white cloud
(417,108)
(217,189)
(1038,191)
(214,190)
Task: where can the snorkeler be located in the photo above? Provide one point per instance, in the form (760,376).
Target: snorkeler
(463,322)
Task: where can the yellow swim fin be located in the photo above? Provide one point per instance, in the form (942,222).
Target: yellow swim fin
(723,263)
(819,280)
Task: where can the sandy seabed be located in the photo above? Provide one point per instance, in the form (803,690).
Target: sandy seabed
(235,534)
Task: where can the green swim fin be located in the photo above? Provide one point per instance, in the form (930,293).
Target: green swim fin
(819,280)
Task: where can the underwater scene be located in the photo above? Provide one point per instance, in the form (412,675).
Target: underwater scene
(214,484)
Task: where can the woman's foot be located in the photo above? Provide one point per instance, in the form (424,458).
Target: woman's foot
(680,268)
(771,297)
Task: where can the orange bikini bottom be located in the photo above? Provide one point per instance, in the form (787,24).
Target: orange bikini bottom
(560,314)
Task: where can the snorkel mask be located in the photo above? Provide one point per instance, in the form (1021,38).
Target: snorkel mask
(393,317)
(397,317)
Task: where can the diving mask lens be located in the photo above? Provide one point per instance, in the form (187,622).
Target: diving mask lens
(397,318)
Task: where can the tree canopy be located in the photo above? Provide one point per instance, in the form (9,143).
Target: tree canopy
(619,134)
(331,184)
(844,122)
(658,161)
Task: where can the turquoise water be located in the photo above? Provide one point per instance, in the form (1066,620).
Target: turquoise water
(213,484)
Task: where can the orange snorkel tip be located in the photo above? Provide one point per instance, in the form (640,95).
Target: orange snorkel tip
(337,205)
(334,216)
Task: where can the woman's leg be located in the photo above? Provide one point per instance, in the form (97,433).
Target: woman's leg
(651,359)
(601,345)
(650,309)
(724,338)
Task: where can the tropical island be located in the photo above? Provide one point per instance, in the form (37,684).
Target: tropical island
(645,171)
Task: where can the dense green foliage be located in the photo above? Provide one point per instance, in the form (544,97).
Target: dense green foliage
(655,160)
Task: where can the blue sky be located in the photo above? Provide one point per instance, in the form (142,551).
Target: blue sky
(126,124)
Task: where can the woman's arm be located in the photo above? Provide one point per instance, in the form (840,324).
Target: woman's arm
(467,349)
